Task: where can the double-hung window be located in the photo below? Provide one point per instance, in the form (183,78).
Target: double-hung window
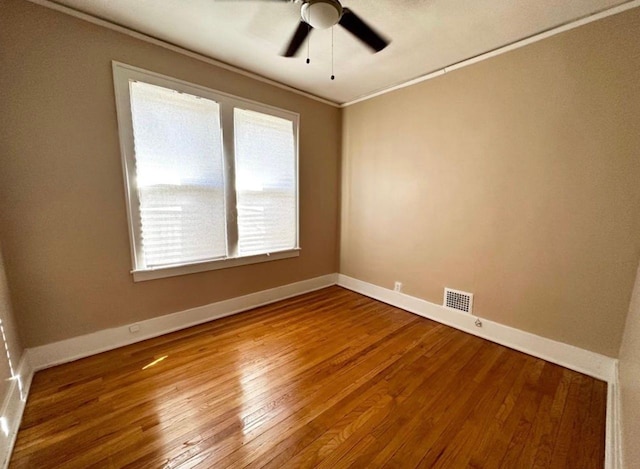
(211,179)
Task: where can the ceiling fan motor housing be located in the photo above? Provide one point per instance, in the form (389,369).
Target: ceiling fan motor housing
(321,14)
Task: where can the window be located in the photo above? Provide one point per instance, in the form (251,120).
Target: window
(211,179)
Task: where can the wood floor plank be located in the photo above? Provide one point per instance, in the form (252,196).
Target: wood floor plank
(328,379)
(407,376)
(468,408)
(496,385)
(337,370)
(431,387)
(327,420)
(571,421)
(554,389)
(324,396)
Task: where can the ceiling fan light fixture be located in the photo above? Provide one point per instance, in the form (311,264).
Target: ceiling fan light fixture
(321,14)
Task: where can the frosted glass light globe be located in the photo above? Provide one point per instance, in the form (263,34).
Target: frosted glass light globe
(321,14)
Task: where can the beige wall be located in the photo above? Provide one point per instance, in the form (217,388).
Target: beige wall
(513,178)
(630,382)
(517,179)
(64,227)
(11,342)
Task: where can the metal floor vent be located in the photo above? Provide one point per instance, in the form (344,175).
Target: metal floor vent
(458,300)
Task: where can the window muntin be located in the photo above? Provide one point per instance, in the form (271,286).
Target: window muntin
(211,179)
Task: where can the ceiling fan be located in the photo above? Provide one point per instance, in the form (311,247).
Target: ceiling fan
(323,14)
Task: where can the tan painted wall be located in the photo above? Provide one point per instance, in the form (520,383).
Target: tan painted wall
(61,189)
(10,340)
(517,179)
(630,382)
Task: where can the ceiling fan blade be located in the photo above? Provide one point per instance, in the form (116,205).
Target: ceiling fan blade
(352,23)
(297,40)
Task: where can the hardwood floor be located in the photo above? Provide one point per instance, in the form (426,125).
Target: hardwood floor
(329,379)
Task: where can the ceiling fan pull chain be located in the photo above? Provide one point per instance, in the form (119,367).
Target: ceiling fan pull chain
(309,39)
(333,77)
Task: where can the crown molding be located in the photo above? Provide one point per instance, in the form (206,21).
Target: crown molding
(427,76)
(502,49)
(175,48)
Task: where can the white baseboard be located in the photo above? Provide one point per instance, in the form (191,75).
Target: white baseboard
(574,358)
(75,348)
(613,443)
(568,356)
(13,407)
(583,361)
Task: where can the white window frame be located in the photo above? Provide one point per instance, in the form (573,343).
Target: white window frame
(122,75)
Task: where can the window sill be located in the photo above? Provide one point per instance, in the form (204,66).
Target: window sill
(175,270)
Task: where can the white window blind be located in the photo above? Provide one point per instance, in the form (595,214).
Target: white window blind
(179,175)
(265,167)
(211,179)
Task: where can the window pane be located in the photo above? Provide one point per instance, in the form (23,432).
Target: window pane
(265,182)
(179,175)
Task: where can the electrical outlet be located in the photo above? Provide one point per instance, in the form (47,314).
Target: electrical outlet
(397,286)
(134,329)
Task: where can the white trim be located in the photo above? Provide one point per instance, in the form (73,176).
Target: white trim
(203,58)
(75,348)
(568,356)
(501,50)
(172,271)
(125,72)
(175,48)
(13,407)
(123,76)
(613,441)
(571,357)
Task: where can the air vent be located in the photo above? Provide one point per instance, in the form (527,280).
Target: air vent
(458,300)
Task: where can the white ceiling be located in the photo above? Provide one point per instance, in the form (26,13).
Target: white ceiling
(426,35)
